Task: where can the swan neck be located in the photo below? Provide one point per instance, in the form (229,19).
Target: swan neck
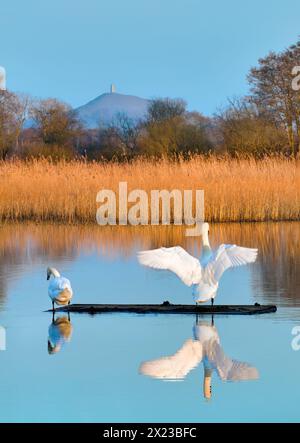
(205,240)
(55,272)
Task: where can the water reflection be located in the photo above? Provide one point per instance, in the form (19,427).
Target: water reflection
(204,347)
(59,333)
(102,266)
(274,276)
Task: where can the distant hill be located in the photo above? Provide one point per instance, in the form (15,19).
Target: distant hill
(103,109)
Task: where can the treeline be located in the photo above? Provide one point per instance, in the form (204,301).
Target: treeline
(265,122)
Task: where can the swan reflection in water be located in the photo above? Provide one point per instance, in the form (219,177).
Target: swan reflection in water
(205,347)
(60,332)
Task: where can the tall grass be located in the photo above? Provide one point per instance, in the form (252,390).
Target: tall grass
(235,189)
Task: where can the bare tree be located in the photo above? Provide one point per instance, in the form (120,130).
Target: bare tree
(119,139)
(165,109)
(127,130)
(244,130)
(13,113)
(56,122)
(273,94)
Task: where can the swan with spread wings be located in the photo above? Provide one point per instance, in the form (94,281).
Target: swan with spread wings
(204,274)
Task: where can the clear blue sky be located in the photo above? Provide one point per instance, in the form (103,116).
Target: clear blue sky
(195,49)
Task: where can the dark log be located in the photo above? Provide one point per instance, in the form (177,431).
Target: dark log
(168,308)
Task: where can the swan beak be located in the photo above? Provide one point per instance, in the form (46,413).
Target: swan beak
(48,277)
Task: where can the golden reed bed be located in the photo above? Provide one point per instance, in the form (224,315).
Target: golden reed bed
(235,190)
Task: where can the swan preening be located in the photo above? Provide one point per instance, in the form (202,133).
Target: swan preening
(59,290)
(203,274)
(205,348)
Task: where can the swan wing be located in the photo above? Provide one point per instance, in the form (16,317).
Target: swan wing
(176,366)
(228,256)
(227,368)
(175,259)
(242,371)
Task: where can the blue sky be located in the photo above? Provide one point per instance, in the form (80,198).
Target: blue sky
(194,49)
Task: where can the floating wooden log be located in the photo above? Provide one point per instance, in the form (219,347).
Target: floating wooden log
(168,308)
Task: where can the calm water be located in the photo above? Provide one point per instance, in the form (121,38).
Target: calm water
(112,367)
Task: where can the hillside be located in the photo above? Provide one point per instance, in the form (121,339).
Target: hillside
(104,108)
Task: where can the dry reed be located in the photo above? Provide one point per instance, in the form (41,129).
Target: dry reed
(235,189)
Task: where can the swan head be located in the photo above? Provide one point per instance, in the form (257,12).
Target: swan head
(52,272)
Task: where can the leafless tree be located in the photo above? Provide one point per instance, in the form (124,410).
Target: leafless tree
(244,129)
(56,122)
(165,109)
(13,113)
(273,94)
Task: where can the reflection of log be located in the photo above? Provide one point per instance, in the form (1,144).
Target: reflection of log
(168,308)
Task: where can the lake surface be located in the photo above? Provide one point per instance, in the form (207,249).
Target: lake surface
(115,368)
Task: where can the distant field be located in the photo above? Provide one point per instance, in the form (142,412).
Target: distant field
(235,190)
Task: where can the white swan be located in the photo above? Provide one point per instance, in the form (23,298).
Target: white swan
(205,274)
(59,290)
(204,347)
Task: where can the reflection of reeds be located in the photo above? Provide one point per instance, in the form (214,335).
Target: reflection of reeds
(55,241)
(235,190)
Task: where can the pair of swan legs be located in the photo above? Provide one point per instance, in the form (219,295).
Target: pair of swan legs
(212,319)
(53,316)
(53,311)
(212,316)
